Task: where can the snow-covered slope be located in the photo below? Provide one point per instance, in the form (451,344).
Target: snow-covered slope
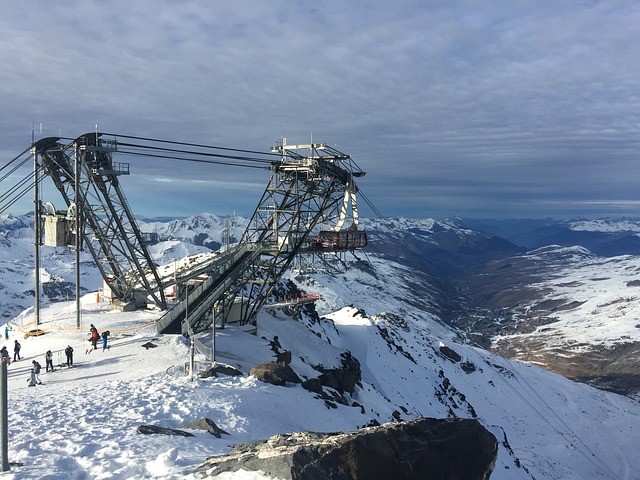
(81,423)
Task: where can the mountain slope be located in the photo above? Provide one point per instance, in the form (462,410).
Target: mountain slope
(83,420)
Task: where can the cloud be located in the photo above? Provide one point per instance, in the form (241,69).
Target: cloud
(419,93)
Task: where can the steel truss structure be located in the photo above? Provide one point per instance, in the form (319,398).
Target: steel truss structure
(85,174)
(305,191)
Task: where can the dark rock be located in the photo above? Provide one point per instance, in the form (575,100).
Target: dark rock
(148,345)
(208,425)
(417,449)
(284,357)
(150,429)
(468,367)
(220,369)
(450,353)
(345,378)
(275,373)
(313,385)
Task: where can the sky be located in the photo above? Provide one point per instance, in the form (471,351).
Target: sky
(500,109)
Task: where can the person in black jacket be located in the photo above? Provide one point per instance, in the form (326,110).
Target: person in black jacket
(69,353)
(16,350)
(49,360)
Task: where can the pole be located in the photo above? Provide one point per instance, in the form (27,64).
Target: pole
(192,345)
(4,416)
(213,343)
(77,239)
(37,234)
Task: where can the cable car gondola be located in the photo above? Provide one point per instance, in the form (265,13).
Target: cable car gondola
(341,240)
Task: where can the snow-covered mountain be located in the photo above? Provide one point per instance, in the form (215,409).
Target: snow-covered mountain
(563,308)
(385,314)
(605,236)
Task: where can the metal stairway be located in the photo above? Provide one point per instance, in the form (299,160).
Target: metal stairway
(214,290)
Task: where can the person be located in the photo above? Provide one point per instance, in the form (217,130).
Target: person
(16,350)
(95,336)
(105,336)
(36,372)
(69,353)
(6,332)
(49,360)
(32,378)
(4,355)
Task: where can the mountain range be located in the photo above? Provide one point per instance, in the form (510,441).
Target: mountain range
(561,305)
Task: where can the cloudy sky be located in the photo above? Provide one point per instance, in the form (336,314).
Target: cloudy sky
(472,108)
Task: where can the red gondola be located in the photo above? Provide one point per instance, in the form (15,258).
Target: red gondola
(341,240)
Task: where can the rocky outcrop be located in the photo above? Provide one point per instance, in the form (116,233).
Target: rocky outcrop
(344,378)
(152,429)
(220,369)
(275,373)
(208,425)
(416,449)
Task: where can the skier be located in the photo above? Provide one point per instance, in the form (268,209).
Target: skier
(36,372)
(95,336)
(16,350)
(49,360)
(69,353)
(6,332)
(105,336)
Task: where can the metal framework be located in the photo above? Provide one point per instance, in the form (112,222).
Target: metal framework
(113,238)
(305,191)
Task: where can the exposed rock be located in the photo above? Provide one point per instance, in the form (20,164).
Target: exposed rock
(150,429)
(284,357)
(148,345)
(416,449)
(220,369)
(275,373)
(450,354)
(313,385)
(208,425)
(345,378)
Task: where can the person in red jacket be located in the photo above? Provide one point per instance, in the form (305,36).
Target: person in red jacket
(95,336)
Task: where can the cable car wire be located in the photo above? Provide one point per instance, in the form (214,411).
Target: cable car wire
(182,159)
(146,139)
(16,158)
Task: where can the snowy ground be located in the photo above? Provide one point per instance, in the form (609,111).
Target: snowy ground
(81,423)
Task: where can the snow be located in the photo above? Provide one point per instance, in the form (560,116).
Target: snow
(81,423)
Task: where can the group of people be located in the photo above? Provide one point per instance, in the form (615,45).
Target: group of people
(95,336)
(4,353)
(34,378)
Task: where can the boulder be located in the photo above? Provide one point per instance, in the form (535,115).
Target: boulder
(275,373)
(416,449)
(344,378)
